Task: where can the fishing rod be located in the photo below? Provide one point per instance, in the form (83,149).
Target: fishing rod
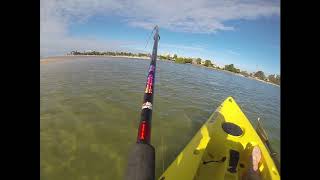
(264,137)
(141,162)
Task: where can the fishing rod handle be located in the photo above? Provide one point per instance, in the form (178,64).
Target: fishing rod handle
(141,163)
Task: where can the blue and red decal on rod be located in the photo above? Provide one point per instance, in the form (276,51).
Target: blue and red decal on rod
(150,79)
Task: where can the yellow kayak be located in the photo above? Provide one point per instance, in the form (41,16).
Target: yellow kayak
(221,149)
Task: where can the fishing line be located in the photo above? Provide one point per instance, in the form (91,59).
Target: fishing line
(162,153)
(149,38)
(162,141)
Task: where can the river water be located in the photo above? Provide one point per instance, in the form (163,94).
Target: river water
(90,110)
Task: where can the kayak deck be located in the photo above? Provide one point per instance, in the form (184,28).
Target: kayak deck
(221,149)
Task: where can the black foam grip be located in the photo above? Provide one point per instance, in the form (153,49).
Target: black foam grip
(141,163)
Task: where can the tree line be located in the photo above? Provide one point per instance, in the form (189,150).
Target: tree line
(273,78)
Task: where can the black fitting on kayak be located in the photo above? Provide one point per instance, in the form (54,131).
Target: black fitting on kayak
(233,161)
(141,163)
(232,129)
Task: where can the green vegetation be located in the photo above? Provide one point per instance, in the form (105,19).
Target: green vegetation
(179,61)
(182,60)
(260,75)
(188,60)
(163,57)
(275,79)
(142,55)
(208,63)
(244,73)
(198,60)
(231,68)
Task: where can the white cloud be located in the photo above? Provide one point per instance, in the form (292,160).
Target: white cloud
(196,16)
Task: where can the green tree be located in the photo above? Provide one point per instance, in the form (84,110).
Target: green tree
(231,68)
(198,60)
(274,79)
(188,60)
(163,57)
(245,73)
(180,60)
(175,56)
(207,63)
(260,75)
(278,79)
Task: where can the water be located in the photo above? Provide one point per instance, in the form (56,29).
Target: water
(90,110)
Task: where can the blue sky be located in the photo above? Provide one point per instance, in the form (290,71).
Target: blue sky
(245,33)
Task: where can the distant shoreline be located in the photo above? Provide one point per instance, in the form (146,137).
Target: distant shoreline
(236,74)
(46,60)
(63,58)
(247,77)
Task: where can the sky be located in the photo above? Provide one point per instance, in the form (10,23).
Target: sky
(245,33)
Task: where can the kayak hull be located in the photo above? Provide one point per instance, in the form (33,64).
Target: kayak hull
(221,149)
